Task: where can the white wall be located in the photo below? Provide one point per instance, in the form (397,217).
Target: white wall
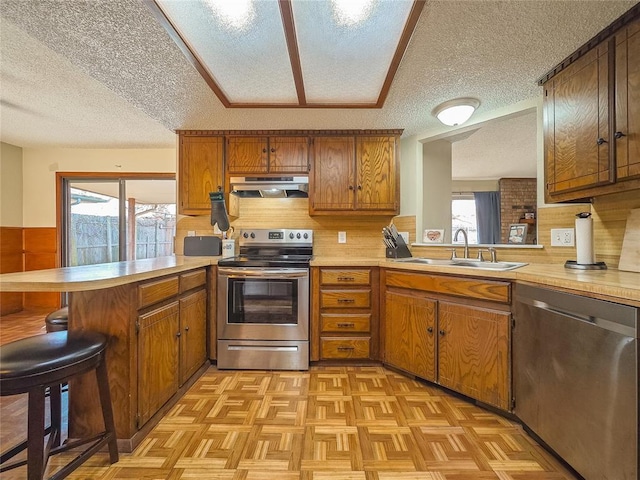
(10,185)
(39,167)
(436,201)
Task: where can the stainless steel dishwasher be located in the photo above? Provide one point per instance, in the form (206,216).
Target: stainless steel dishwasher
(575,376)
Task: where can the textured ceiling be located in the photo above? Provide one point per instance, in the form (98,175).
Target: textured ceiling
(105,74)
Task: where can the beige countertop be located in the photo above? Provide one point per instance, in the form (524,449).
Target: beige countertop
(95,277)
(610,283)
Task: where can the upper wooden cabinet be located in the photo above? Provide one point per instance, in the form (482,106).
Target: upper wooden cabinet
(592,120)
(263,155)
(353,175)
(200,172)
(627,131)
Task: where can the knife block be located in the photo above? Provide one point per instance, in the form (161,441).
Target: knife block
(401,250)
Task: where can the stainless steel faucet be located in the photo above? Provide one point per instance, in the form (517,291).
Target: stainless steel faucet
(466,241)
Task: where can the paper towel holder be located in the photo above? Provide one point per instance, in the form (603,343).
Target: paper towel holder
(584,266)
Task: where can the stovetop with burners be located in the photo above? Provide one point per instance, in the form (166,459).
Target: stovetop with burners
(273,248)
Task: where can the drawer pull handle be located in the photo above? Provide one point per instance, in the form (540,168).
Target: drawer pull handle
(346,300)
(346,279)
(345,349)
(346,325)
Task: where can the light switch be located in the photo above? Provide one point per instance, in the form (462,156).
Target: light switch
(342,237)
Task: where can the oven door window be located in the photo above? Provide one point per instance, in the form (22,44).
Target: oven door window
(263,301)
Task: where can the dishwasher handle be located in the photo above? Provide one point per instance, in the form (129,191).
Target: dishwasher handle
(611,316)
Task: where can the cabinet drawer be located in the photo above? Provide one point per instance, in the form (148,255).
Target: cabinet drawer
(191,280)
(154,292)
(345,323)
(345,277)
(345,298)
(480,289)
(335,347)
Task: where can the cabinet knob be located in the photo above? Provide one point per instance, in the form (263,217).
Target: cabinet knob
(430,329)
(442,333)
(350,187)
(186,329)
(264,150)
(619,135)
(273,150)
(359,187)
(179,334)
(600,141)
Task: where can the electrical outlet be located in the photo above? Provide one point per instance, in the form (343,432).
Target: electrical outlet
(216,230)
(191,233)
(342,237)
(405,236)
(562,237)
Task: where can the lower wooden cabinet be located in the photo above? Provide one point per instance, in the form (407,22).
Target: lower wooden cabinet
(473,352)
(345,314)
(460,343)
(171,339)
(410,333)
(158,347)
(193,333)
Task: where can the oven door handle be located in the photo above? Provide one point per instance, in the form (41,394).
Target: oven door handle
(264,272)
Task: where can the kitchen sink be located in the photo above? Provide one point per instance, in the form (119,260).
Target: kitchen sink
(463,262)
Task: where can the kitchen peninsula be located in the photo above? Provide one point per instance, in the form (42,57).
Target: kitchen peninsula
(154,312)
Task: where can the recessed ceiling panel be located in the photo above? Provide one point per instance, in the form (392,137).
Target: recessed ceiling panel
(345,54)
(242,45)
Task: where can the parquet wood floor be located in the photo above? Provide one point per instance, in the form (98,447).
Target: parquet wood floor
(331,423)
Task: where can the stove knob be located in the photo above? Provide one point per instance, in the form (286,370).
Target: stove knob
(291,235)
(306,235)
(253,235)
(298,236)
(245,235)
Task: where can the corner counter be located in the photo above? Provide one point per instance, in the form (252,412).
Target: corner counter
(611,284)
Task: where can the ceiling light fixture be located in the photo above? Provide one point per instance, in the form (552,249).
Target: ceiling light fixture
(351,12)
(233,14)
(457,111)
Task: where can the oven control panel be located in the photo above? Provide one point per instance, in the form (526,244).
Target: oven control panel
(276,236)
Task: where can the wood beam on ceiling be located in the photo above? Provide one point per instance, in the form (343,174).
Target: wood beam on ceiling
(407,33)
(288,23)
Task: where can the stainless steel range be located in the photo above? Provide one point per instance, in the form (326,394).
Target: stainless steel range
(263,301)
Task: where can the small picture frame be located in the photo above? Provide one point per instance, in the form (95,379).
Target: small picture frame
(433,235)
(517,232)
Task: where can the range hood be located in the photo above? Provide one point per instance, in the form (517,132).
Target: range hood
(270,187)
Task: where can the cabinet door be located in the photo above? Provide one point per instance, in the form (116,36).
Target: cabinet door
(576,125)
(377,179)
(473,352)
(332,174)
(193,333)
(201,172)
(627,135)
(289,155)
(157,359)
(247,155)
(409,333)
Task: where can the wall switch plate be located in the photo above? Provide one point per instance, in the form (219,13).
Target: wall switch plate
(191,233)
(216,230)
(562,237)
(405,236)
(342,237)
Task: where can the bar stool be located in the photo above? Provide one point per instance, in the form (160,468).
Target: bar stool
(58,320)
(36,363)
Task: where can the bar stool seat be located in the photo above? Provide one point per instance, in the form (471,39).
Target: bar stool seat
(35,364)
(57,320)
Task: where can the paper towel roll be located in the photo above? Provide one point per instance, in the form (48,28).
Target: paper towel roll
(585,251)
